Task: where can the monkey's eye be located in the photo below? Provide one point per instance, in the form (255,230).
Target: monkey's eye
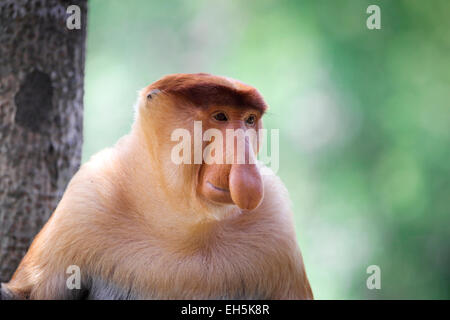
(220,116)
(251,120)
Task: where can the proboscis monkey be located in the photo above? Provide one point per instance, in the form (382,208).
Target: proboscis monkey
(139,225)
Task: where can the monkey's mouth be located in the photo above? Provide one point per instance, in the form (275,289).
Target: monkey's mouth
(217,188)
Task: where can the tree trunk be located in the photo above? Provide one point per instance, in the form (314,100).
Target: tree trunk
(41,113)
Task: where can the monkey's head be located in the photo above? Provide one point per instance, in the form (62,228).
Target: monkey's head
(202,132)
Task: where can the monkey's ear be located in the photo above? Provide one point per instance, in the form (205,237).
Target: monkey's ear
(152,94)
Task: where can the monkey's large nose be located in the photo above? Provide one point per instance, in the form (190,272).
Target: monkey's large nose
(246,186)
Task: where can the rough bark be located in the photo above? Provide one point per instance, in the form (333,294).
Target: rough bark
(41,109)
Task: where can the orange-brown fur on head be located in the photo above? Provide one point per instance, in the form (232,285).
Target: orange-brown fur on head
(139,226)
(204,90)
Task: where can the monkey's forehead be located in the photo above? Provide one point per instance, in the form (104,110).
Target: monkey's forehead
(203,90)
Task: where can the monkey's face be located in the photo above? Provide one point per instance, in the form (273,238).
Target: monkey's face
(214,155)
(216,163)
(229,173)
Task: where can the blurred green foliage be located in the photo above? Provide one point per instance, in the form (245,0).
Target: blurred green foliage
(364,118)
